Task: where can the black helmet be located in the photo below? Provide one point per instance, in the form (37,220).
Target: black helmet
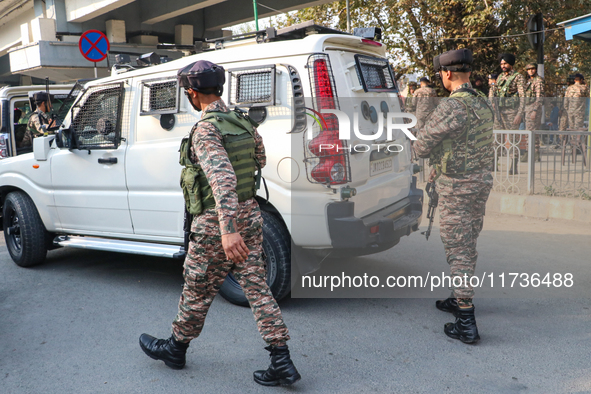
(202,76)
(579,75)
(458,60)
(40,97)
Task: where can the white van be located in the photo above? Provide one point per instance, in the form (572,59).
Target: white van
(110,179)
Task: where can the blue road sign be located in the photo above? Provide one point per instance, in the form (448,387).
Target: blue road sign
(94,45)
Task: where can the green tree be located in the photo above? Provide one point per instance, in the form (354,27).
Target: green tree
(415,31)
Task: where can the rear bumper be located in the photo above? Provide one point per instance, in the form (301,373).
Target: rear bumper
(378,231)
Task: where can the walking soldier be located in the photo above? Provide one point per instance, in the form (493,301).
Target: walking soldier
(219,183)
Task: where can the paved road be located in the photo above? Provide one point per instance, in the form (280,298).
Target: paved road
(72,325)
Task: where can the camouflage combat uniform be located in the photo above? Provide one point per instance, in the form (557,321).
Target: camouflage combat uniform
(575,105)
(534,93)
(509,90)
(424,103)
(508,94)
(37,119)
(465,179)
(206,265)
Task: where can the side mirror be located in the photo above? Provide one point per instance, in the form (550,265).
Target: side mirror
(63,138)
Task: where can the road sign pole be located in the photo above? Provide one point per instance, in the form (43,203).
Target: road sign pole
(95,71)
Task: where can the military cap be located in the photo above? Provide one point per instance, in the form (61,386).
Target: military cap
(509,58)
(424,79)
(579,75)
(201,75)
(493,76)
(530,66)
(40,97)
(455,60)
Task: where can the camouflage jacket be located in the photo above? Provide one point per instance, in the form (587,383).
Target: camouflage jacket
(575,98)
(448,122)
(423,102)
(207,149)
(534,88)
(511,84)
(408,104)
(36,120)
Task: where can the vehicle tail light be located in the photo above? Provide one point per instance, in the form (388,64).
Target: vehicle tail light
(373,43)
(3,146)
(333,163)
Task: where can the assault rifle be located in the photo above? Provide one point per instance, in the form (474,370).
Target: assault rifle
(433,201)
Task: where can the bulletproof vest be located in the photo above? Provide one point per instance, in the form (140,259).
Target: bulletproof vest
(472,149)
(506,98)
(238,140)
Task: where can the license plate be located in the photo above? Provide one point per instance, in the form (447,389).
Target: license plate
(380,166)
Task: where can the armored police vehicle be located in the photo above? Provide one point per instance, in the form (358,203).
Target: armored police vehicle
(109,179)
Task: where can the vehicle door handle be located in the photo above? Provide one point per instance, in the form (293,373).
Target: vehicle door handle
(109,160)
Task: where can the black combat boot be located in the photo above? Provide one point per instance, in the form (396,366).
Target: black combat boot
(449,305)
(171,351)
(464,328)
(281,371)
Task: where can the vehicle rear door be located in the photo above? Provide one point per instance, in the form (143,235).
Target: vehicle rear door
(365,85)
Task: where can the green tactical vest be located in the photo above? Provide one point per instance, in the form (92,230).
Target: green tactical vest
(472,149)
(506,99)
(238,140)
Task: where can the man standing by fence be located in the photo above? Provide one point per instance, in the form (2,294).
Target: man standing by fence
(509,93)
(575,103)
(534,93)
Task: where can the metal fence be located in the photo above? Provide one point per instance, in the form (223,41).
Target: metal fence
(558,167)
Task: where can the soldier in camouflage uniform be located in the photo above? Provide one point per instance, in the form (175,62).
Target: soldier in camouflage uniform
(458,140)
(509,93)
(575,103)
(219,184)
(534,93)
(563,122)
(424,102)
(408,102)
(38,121)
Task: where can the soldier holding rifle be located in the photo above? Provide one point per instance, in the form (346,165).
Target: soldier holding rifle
(458,139)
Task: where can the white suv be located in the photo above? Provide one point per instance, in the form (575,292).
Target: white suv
(109,180)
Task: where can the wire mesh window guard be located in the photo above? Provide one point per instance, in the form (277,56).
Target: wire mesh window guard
(160,96)
(252,86)
(375,74)
(97,117)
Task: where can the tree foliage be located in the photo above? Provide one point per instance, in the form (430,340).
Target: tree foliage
(415,31)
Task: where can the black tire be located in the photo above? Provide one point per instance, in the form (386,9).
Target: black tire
(24,232)
(277,250)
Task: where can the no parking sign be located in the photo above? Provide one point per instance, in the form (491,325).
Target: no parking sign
(94,45)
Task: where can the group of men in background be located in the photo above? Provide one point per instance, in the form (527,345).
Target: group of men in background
(517,101)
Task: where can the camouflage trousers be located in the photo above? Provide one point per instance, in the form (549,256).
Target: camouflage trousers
(576,119)
(462,201)
(512,141)
(531,124)
(205,269)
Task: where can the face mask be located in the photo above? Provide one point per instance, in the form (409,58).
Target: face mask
(191,101)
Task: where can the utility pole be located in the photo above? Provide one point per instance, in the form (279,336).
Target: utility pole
(256,15)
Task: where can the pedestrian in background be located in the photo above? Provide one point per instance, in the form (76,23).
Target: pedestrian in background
(424,102)
(509,94)
(534,96)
